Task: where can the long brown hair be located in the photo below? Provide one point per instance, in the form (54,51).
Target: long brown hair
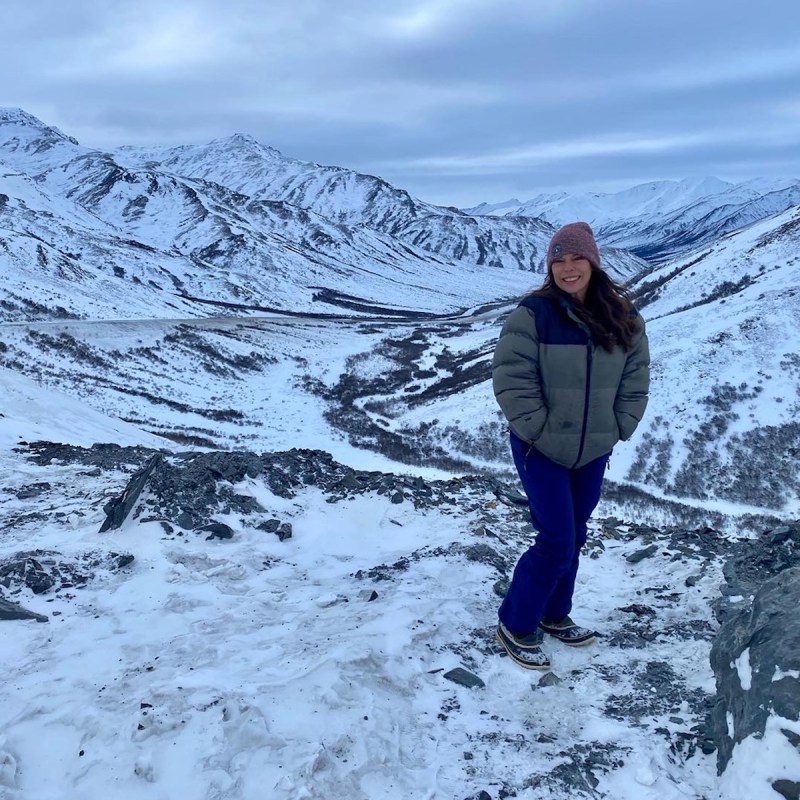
(607,311)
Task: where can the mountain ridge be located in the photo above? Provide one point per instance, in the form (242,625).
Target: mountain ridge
(662,219)
(240,241)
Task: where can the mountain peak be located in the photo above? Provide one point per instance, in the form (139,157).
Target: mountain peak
(244,141)
(10,114)
(18,117)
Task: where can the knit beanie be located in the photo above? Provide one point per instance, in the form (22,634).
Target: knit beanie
(576,238)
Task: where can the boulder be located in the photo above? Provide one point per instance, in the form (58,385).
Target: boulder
(756,661)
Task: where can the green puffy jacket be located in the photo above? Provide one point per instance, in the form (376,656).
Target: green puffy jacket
(571,400)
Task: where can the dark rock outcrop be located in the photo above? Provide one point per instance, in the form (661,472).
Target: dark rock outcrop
(118,509)
(756,660)
(9,610)
(753,561)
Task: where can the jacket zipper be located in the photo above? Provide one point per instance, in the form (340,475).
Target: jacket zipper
(585,401)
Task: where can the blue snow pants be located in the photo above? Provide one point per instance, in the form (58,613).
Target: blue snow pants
(561,500)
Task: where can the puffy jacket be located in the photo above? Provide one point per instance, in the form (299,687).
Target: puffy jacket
(573,401)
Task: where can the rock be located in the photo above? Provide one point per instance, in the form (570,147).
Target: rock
(284,531)
(753,561)
(486,555)
(755,658)
(186,489)
(119,508)
(44,570)
(218,530)
(780,534)
(792,737)
(707,745)
(510,497)
(787,789)
(640,555)
(9,611)
(500,587)
(464,678)
(37,579)
(185,520)
(548,679)
(349,483)
(121,560)
(34,490)
(638,609)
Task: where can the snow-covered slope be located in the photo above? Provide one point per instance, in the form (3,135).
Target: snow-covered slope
(30,412)
(725,404)
(340,195)
(170,663)
(719,433)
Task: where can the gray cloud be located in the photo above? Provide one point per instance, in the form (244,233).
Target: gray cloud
(458,101)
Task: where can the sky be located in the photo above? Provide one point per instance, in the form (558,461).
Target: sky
(458,101)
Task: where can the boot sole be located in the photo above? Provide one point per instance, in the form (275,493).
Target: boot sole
(518,661)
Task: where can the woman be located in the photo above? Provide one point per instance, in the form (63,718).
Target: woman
(571,374)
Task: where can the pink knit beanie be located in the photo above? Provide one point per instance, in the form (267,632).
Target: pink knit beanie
(576,238)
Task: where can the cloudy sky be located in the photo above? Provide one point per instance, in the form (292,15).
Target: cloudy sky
(459,101)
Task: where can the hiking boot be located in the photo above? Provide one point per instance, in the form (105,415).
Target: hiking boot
(523,650)
(565,630)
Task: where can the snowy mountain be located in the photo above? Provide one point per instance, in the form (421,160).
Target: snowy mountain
(661,220)
(236,227)
(601,208)
(723,419)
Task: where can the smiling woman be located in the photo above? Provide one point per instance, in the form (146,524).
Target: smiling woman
(571,375)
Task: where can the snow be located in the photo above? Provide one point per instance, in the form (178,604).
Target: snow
(758,762)
(30,413)
(601,208)
(743,669)
(178,233)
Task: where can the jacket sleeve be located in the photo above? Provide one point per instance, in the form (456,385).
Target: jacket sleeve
(631,399)
(515,375)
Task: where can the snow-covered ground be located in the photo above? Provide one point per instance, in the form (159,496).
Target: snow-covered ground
(315,667)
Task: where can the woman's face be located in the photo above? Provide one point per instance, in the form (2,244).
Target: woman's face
(572,274)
